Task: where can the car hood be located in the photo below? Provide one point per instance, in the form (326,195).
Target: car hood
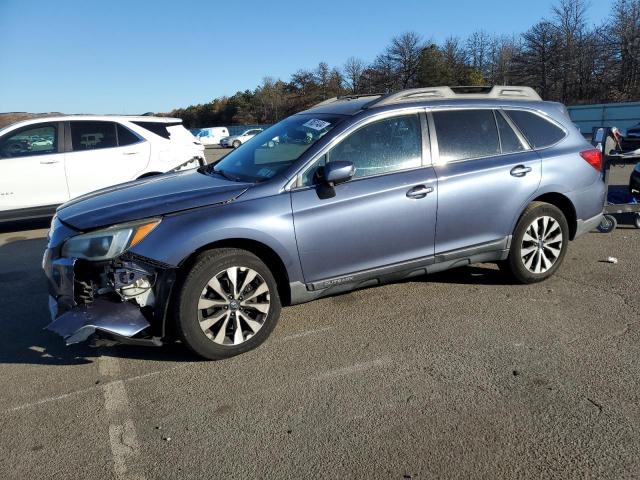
(149,197)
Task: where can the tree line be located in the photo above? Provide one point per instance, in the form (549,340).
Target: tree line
(563,57)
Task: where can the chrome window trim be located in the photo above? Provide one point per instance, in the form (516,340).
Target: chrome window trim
(293,183)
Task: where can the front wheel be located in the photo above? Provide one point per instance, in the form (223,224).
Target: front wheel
(228,304)
(539,243)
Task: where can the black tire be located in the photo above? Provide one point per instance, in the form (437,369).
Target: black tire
(608,224)
(515,264)
(636,220)
(186,309)
(236,143)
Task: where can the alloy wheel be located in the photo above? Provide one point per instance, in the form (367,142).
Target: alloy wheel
(233,305)
(541,244)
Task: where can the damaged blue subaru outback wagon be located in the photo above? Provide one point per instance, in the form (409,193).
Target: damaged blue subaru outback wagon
(354,192)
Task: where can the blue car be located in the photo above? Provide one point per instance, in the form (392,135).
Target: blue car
(352,193)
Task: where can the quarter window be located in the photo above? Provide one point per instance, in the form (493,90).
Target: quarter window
(88,135)
(539,132)
(126,136)
(34,140)
(384,146)
(465,134)
(509,141)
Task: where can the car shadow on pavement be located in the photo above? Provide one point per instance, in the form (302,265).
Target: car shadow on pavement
(481,274)
(24,315)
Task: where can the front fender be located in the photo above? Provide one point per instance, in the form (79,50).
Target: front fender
(267,220)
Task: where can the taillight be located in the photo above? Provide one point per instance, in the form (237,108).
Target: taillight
(593,157)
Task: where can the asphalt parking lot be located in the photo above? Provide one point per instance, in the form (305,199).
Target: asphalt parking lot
(454,375)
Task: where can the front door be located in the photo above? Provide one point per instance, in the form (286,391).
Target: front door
(382,217)
(486,174)
(32,170)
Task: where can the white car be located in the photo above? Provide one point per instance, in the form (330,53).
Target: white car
(236,140)
(46,161)
(211,135)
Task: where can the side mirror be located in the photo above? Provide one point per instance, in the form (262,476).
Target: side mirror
(338,172)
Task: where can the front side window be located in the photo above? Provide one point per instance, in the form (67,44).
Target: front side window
(384,146)
(92,135)
(539,132)
(29,141)
(466,134)
(275,149)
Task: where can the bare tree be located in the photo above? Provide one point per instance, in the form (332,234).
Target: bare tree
(623,40)
(353,69)
(403,55)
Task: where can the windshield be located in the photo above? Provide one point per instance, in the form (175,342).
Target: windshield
(274,150)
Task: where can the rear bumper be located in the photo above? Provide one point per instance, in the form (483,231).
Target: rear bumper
(585,226)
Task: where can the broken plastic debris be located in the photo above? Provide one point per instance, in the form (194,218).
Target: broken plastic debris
(613,260)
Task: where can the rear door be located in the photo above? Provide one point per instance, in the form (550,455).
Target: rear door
(377,219)
(101,154)
(486,174)
(32,170)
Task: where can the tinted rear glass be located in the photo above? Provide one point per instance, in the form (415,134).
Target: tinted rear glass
(92,135)
(464,134)
(538,131)
(159,128)
(126,136)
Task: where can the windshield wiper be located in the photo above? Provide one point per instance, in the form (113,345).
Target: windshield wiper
(226,175)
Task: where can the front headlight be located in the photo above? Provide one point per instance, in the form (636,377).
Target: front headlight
(110,242)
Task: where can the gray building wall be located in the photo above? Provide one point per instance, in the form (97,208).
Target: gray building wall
(621,115)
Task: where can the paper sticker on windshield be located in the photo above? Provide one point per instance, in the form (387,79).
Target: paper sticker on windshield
(316,124)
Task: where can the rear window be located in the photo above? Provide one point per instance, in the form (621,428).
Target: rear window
(159,128)
(466,134)
(539,132)
(92,135)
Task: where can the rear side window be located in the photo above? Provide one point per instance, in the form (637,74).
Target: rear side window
(87,135)
(509,141)
(539,132)
(126,136)
(465,134)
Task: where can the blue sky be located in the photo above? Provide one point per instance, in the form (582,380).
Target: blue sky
(128,56)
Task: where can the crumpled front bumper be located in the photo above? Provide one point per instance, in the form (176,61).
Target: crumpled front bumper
(76,323)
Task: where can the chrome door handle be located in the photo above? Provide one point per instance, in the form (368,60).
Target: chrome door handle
(520,171)
(420,191)
(48,162)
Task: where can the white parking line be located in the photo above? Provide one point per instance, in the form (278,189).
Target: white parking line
(123,438)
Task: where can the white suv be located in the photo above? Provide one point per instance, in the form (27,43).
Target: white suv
(46,161)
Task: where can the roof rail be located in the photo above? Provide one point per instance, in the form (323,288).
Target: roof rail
(473,92)
(346,97)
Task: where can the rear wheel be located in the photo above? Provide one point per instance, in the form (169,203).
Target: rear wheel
(236,143)
(539,243)
(228,304)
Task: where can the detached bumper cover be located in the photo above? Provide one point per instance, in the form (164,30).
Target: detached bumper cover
(116,319)
(75,323)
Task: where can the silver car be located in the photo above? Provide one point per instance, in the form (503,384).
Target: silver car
(236,140)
